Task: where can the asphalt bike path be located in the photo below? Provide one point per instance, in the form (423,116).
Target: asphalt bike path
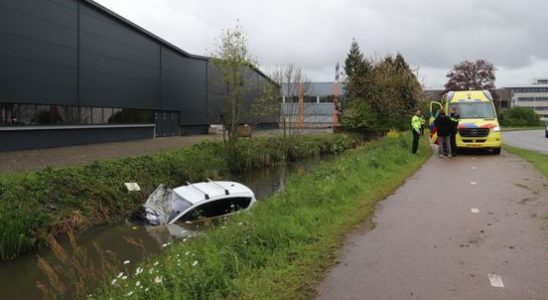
(471,227)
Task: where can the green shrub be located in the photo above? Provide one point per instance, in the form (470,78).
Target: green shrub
(520,116)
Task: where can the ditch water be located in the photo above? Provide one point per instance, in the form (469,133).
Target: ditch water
(132,242)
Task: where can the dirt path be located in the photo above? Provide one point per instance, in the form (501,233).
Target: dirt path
(456,229)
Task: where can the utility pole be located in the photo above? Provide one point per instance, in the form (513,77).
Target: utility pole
(300,91)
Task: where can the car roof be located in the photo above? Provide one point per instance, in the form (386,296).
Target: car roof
(196,192)
(469,96)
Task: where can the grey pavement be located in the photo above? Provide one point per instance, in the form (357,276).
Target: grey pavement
(527,139)
(451,225)
(28,160)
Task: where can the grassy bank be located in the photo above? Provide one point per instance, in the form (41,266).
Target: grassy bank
(521,128)
(54,201)
(537,159)
(280,249)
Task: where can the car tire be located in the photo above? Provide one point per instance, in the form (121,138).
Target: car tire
(496,151)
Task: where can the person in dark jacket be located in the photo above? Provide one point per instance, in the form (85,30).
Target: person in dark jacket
(444,127)
(454,116)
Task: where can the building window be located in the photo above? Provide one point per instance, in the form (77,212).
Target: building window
(85,116)
(31,114)
(326,99)
(310,99)
(43,115)
(97,115)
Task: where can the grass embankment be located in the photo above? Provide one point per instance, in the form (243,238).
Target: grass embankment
(521,128)
(54,201)
(537,159)
(280,249)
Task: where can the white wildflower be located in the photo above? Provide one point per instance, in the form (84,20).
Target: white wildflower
(195,263)
(126,262)
(158,279)
(113,281)
(130,293)
(156,263)
(124,277)
(120,275)
(138,283)
(150,271)
(146,290)
(138,271)
(187,253)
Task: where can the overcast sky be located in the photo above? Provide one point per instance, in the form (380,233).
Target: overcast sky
(432,35)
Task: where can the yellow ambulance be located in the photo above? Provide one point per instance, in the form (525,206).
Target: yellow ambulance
(478,125)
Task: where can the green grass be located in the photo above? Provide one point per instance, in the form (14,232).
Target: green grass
(537,159)
(521,128)
(282,248)
(55,201)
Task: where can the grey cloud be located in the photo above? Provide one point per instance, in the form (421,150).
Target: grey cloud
(315,34)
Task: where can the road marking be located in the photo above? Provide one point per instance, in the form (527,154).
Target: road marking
(474,168)
(473,183)
(495,280)
(474,210)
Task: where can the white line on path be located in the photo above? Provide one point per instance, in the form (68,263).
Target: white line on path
(495,280)
(474,210)
(474,168)
(473,182)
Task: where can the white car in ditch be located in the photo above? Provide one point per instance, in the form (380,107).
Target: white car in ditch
(194,201)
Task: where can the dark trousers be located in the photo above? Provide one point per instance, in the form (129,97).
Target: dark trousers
(416,136)
(422,130)
(453,141)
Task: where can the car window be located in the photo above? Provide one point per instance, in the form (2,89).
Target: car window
(475,110)
(217,208)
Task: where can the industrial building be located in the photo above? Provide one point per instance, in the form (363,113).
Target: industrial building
(73,72)
(317,108)
(534,95)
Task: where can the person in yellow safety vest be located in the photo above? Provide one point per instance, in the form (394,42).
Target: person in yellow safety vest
(416,129)
(423,122)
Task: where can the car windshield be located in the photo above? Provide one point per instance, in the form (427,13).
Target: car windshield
(475,110)
(178,205)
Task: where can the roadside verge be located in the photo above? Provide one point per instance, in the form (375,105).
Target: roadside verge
(537,159)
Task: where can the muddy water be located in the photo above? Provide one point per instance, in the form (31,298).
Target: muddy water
(131,242)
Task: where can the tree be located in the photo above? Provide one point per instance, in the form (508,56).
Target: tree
(478,75)
(409,89)
(354,62)
(356,69)
(380,95)
(234,65)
